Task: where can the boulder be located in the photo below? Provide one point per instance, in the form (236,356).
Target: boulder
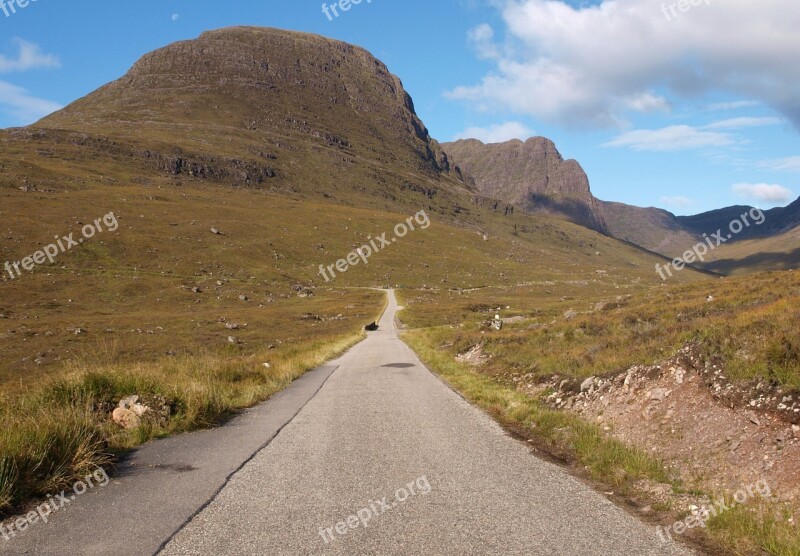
(126,418)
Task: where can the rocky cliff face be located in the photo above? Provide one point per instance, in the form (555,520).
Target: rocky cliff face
(532,175)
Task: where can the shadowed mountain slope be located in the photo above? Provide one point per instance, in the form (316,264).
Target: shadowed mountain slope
(533,176)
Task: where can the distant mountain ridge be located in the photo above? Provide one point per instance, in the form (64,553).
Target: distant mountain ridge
(534,176)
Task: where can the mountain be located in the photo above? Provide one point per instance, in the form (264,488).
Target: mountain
(265,108)
(776,221)
(533,175)
(772,245)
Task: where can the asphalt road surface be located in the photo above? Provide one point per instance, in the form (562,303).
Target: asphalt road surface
(370,454)
(386,459)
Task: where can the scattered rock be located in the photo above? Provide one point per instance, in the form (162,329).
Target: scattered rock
(139,409)
(131,403)
(244,298)
(474,356)
(127,403)
(216,232)
(126,418)
(659,394)
(570,314)
(587,384)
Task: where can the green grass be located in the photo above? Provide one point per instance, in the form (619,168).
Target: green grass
(754,528)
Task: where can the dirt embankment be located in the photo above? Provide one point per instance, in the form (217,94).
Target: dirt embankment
(718,436)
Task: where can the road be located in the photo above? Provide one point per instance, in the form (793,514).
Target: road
(370,454)
(382,424)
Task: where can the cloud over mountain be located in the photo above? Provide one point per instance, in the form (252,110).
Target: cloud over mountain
(595,65)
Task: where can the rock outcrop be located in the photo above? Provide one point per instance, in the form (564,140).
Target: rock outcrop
(532,175)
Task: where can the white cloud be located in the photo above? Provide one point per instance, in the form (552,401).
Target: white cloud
(739,123)
(768,193)
(481,39)
(677,202)
(593,64)
(497,133)
(175,17)
(733,105)
(672,138)
(788,164)
(22,106)
(29,56)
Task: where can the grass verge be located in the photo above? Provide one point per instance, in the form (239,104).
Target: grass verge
(53,435)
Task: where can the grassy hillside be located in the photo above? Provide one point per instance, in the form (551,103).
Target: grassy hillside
(747,323)
(780,251)
(124,288)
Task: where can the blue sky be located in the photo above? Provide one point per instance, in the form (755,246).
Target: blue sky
(686,110)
